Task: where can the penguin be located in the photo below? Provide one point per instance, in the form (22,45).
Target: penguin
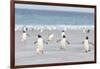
(50,37)
(63,42)
(63,33)
(24,36)
(85,31)
(25,28)
(40,45)
(86,44)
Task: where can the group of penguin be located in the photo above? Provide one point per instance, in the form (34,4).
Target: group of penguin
(63,41)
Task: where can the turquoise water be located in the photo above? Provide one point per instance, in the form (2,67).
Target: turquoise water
(43,17)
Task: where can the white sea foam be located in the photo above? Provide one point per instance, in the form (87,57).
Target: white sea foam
(54,27)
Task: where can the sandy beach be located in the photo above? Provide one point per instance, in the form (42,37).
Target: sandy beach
(25,52)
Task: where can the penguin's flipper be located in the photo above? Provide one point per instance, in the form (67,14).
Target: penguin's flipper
(45,42)
(35,42)
(91,43)
(68,42)
(28,35)
(82,42)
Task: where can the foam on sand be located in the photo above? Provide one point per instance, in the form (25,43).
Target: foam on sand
(54,27)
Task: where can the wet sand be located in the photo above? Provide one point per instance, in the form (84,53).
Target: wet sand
(25,52)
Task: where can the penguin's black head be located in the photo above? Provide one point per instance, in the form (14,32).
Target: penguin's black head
(87,37)
(64,36)
(39,36)
(62,30)
(88,31)
(23,31)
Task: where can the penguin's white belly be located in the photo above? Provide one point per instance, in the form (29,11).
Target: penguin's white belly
(50,37)
(24,28)
(86,45)
(40,44)
(63,43)
(63,34)
(24,37)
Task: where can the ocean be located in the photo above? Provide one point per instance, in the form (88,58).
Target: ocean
(34,17)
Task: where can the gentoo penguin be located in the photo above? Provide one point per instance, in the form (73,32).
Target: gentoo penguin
(86,31)
(24,36)
(50,37)
(25,28)
(63,42)
(40,45)
(86,44)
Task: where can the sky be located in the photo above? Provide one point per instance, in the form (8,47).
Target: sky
(54,8)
